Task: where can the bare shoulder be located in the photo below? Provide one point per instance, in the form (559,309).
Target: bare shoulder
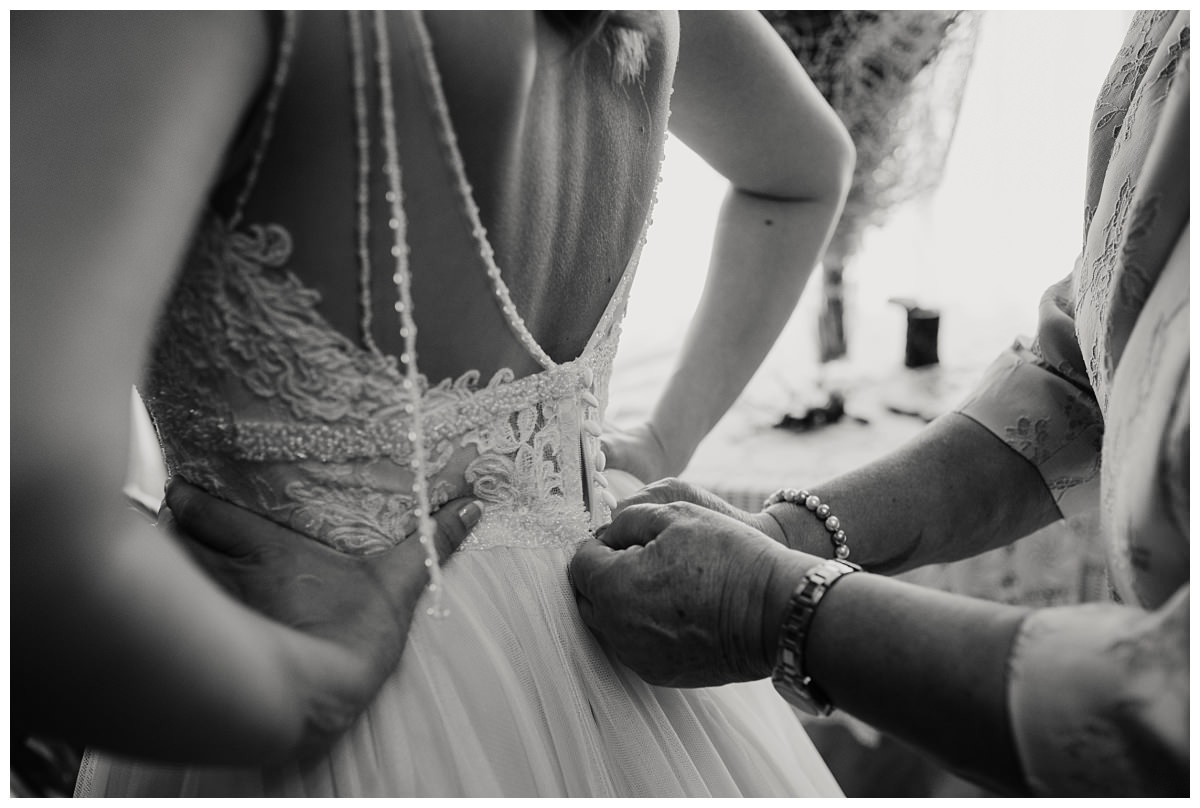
(124,84)
(60,44)
(118,124)
(93,92)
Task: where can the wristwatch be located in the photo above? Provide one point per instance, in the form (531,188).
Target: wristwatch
(788,676)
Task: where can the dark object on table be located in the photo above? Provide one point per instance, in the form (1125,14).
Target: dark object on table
(896,80)
(815,417)
(831,320)
(921,337)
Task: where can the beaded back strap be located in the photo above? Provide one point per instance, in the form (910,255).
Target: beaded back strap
(402,276)
(362,132)
(478,231)
(287,44)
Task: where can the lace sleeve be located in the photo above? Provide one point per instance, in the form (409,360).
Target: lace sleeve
(1099,699)
(1037,399)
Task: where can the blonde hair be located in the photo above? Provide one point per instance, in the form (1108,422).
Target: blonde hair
(629,49)
(624,34)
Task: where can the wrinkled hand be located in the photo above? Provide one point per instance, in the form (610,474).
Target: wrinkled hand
(673,489)
(684,596)
(360,605)
(636,450)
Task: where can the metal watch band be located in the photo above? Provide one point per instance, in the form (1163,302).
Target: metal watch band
(788,676)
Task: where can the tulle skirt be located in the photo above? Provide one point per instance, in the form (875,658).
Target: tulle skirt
(510,695)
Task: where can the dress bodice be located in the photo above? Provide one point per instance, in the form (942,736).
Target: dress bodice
(259,399)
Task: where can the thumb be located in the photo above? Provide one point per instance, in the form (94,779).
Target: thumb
(591,558)
(212,522)
(453,522)
(634,525)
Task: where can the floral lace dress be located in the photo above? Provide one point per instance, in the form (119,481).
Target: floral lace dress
(1099,403)
(258,399)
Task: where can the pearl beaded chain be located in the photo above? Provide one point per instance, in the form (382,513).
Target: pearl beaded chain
(401,277)
(478,231)
(411,384)
(812,502)
(487,254)
(363,146)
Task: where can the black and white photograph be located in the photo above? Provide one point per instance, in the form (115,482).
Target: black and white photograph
(599,404)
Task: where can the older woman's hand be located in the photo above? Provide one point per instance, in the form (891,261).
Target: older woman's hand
(673,489)
(685,596)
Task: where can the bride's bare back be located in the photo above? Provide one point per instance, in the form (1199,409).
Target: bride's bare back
(561,159)
(281,376)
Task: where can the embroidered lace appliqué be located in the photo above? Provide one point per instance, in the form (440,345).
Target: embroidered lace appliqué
(1113,283)
(257,399)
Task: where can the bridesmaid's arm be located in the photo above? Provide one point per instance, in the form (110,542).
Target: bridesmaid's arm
(119,639)
(743,103)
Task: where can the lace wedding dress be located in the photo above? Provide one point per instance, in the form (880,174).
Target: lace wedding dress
(258,399)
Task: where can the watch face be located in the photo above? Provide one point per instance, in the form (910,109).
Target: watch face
(802,696)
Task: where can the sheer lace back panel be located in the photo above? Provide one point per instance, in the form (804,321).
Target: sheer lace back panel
(258,397)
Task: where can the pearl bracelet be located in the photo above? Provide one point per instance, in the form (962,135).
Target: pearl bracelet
(822,511)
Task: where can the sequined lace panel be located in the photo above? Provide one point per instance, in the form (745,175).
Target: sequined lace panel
(257,399)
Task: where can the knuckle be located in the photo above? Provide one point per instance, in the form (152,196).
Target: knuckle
(679,509)
(166,519)
(659,487)
(264,554)
(182,505)
(629,512)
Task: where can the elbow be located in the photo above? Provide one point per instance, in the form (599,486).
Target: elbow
(817,170)
(831,159)
(833,163)
(842,163)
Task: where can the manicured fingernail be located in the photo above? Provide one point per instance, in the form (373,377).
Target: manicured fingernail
(470,514)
